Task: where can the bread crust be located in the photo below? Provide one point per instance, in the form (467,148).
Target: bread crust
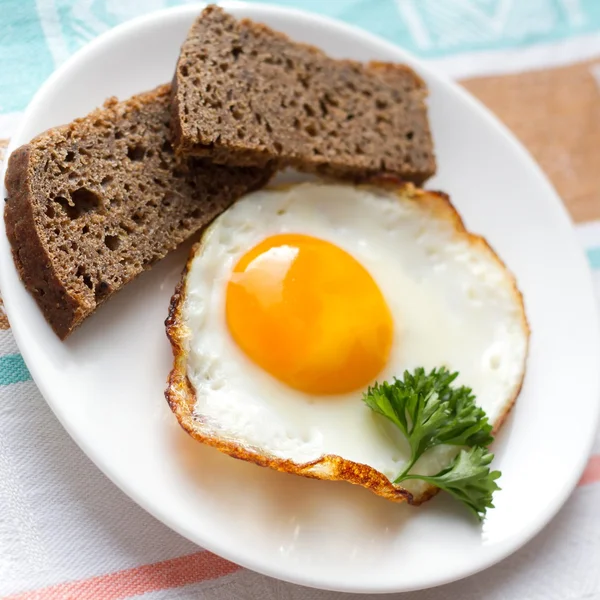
(34,264)
(247,95)
(94,203)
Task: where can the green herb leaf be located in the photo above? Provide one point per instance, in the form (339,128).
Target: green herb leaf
(430,412)
(468,479)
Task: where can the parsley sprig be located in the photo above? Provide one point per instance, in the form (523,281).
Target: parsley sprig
(430,411)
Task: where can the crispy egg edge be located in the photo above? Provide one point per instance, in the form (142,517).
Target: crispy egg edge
(181,395)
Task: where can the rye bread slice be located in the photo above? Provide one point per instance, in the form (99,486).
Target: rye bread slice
(247,95)
(94,203)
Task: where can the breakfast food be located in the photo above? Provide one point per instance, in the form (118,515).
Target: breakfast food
(324,329)
(298,298)
(245,94)
(429,412)
(94,203)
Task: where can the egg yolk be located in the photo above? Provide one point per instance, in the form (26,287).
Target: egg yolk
(309,314)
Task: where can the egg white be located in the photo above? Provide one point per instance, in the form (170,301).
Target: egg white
(452,301)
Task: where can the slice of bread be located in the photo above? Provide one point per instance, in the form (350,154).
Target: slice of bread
(247,95)
(94,203)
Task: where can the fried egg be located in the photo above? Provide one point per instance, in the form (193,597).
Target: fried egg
(298,298)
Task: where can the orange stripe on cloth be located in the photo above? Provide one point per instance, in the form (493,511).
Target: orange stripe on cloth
(172,573)
(592,471)
(175,572)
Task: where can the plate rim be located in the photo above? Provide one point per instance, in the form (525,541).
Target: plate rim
(474,104)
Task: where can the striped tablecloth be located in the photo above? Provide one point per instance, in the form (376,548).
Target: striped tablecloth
(67,532)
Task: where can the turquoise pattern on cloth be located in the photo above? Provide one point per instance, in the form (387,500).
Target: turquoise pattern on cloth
(35,37)
(594,258)
(13,369)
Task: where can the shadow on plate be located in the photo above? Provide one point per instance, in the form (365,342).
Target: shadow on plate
(296,510)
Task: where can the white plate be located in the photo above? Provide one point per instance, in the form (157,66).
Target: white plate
(106,383)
